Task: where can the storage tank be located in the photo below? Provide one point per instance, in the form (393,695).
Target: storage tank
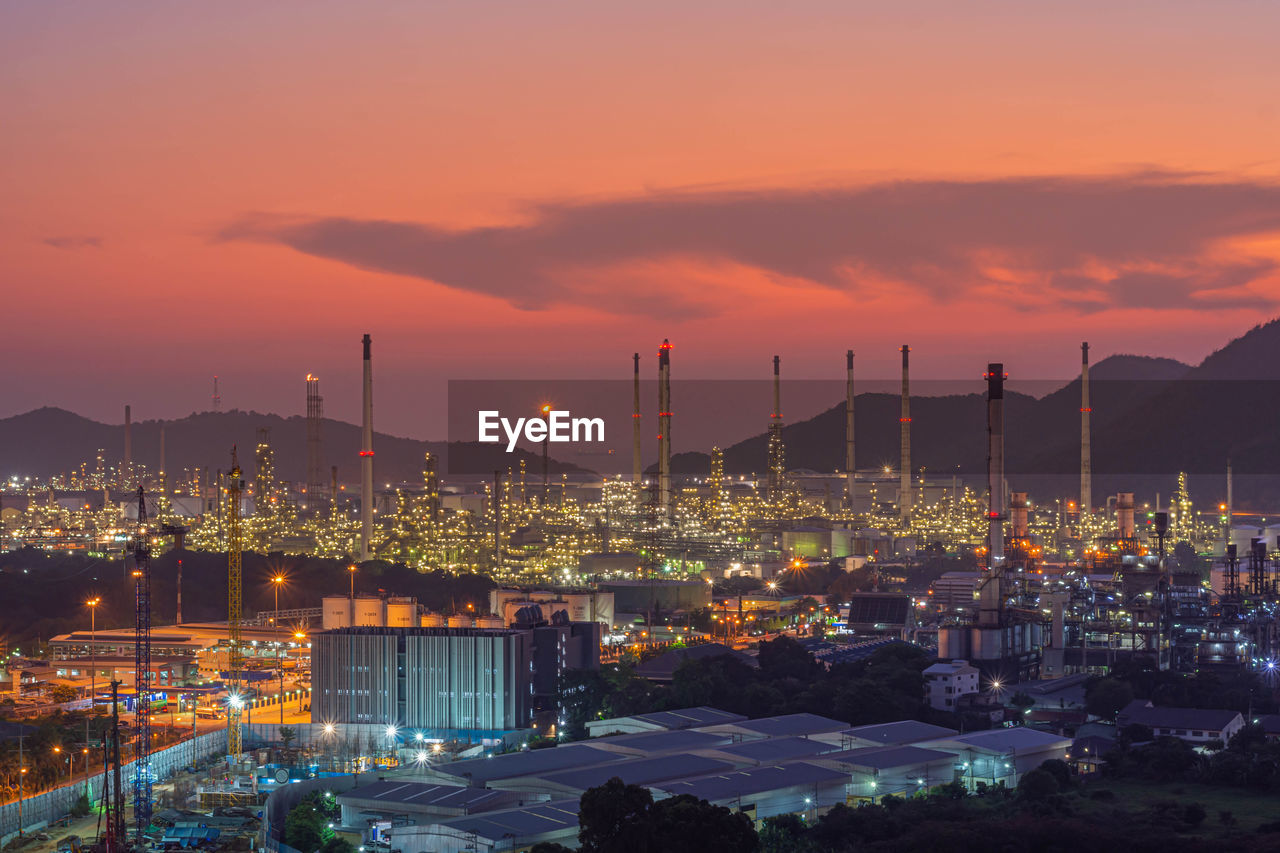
(581,606)
(402,612)
(432,620)
(499,597)
(489,622)
(369,612)
(335,612)
(460,621)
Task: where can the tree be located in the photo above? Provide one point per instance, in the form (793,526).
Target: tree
(303,829)
(1106,697)
(549,847)
(686,824)
(614,818)
(1059,770)
(62,693)
(782,834)
(1037,785)
(619,818)
(288,734)
(337,845)
(82,806)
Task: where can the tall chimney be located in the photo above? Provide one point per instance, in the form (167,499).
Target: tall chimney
(164,484)
(127,474)
(315,470)
(1230,498)
(1086,452)
(904,485)
(1125,526)
(848,430)
(995,464)
(366,459)
(777,454)
(664,428)
(333,491)
(637,472)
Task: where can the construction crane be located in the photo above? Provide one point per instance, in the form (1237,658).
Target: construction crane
(142,674)
(235,486)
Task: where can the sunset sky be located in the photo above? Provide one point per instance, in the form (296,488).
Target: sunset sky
(525,189)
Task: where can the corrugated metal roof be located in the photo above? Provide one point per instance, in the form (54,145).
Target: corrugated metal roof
(905,731)
(776,749)
(478,771)
(791,725)
(515,824)
(887,757)
(754,780)
(639,771)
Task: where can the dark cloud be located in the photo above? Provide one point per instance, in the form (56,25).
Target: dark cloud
(73,242)
(1146,240)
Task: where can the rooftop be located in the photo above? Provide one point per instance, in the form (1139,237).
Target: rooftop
(790,725)
(772,750)
(424,794)
(638,771)
(753,780)
(1142,712)
(893,734)
(535,762)
(520,822)
(887,757)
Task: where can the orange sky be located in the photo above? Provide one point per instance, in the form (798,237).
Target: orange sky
(163,163)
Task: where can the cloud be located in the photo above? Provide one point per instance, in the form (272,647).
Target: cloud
(73,242)
(1150,240)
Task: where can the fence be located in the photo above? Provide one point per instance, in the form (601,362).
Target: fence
(42,809)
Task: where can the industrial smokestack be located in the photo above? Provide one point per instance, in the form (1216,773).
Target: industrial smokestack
(848,430)
(637,472)
(1230,497)
(1125,526)
(127,473)
(995,464)
(1019,516)
(777,454)
(664,428)
(315,469)
(1086,453)
(164,485)
(366,458)
(904,485)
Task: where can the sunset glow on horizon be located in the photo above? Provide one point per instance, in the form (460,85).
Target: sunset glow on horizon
(514,190)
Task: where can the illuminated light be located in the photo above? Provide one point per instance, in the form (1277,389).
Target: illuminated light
(366,452)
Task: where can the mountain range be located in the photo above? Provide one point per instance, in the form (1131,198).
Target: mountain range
(1151,419)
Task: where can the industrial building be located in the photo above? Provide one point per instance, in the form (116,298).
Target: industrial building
(458,680)
(468,679)
(798,764)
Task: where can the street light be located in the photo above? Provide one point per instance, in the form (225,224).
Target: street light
(92,604)
(276,582)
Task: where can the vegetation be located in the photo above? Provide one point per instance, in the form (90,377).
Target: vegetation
(307,825)
(885,687)
(619,818)
(1051,811)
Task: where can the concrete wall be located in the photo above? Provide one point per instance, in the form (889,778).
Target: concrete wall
(40,810)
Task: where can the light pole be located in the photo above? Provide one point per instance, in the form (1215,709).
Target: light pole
(92,604)
(352,570)
(276,583)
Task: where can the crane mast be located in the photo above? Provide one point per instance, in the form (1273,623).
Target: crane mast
(234,603)
(142,674)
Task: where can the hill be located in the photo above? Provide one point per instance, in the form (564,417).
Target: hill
(50,441)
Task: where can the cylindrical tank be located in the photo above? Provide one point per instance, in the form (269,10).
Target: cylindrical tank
(579,605)
(432,620)
(489,622)
(1124,515)
(460,621)
(335,612)
(402,612)
(370,612)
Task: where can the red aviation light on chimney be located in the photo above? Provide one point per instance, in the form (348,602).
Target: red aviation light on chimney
(366,452)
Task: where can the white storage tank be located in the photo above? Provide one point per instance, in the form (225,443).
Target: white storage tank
(335,612)
(432,620)
(460,621)
(402,612)
(489,622)
(581,606)
(369,612)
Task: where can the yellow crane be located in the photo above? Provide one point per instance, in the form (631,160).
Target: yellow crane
(235,487)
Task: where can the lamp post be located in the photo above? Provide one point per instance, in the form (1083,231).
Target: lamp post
(276,583)
(92,604)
